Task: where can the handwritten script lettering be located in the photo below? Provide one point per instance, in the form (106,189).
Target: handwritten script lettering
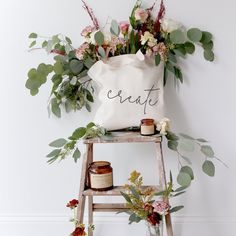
(147,100)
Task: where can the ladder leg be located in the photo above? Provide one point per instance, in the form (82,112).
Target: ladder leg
(163,185)
(83,180)
(90,198)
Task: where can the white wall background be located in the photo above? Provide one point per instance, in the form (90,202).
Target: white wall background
(33,194)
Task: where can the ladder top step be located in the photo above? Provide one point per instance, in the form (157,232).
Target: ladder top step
(113,192)
(125,137)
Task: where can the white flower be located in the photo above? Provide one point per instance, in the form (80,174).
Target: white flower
(141,15)
(148,37)
(91,38)
(169,25)
(163,126)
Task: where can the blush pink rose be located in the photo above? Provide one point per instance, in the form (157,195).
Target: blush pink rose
(87,31)
(161,207)
(124,27)
(141,15)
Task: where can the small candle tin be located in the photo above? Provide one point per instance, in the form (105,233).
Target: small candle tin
(100,175)
(147,127)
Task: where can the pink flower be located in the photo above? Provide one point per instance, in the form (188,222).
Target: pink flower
(161,49)
(87,31)
(79,53)
(141,15)
(124,27)
(161,207)
(115,41)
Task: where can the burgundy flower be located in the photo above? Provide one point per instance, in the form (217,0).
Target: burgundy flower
(72,204)
(79,231)
(154,218)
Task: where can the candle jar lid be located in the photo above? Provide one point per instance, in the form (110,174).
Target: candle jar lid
(147,121)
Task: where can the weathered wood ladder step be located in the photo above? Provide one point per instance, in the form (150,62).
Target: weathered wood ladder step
(85,192)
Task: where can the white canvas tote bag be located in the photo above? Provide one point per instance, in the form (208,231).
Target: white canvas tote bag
(129,89)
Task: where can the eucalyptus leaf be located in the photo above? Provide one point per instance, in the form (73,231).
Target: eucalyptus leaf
(76,154)
(58,68)
(177,37)
(184,179)
(58,143)
(54,152)
(55,108)
(32,44)
(99,38)
(202,140)
(188,170)
(208,168)
(33,36)
(102,52)
(34,92)
(186,136)
(208,46)
(171,136)
(68,40)
(115,29)
(206,37)
(76,66)
(194,34)
(189,47)
(172,145)
(207,150)
(134,218)
(90,125)
(209,55)
(79,133)
(172,57)
(157,59)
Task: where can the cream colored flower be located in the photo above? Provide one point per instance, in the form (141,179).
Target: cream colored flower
(149,38)
(163,126)
(169,25)
(141,15)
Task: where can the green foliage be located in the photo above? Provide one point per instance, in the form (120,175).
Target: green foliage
(194,34)
(139,199)
(66,147)
(157,59)
(186,143)
(177,37)
(208,168)
(99,38)
(115,29)
(69,90)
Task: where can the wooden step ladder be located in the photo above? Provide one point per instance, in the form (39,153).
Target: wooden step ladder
(116,137)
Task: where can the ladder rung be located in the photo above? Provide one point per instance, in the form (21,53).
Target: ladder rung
(113,192)
(109,207)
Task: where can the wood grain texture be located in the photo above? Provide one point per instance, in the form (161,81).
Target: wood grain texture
(125,137)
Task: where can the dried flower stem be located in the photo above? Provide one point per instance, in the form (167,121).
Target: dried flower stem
(160,15)
(91,14)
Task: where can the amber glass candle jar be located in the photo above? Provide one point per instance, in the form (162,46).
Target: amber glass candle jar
(100,176)
(147,127)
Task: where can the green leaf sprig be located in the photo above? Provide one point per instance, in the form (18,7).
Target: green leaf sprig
(65,147)
(186,143)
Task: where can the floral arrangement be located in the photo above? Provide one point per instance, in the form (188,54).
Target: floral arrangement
(142,202)
(151,34)
(79,228)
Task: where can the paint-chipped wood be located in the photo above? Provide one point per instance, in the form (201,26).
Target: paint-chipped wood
(113,192)
(125,137)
